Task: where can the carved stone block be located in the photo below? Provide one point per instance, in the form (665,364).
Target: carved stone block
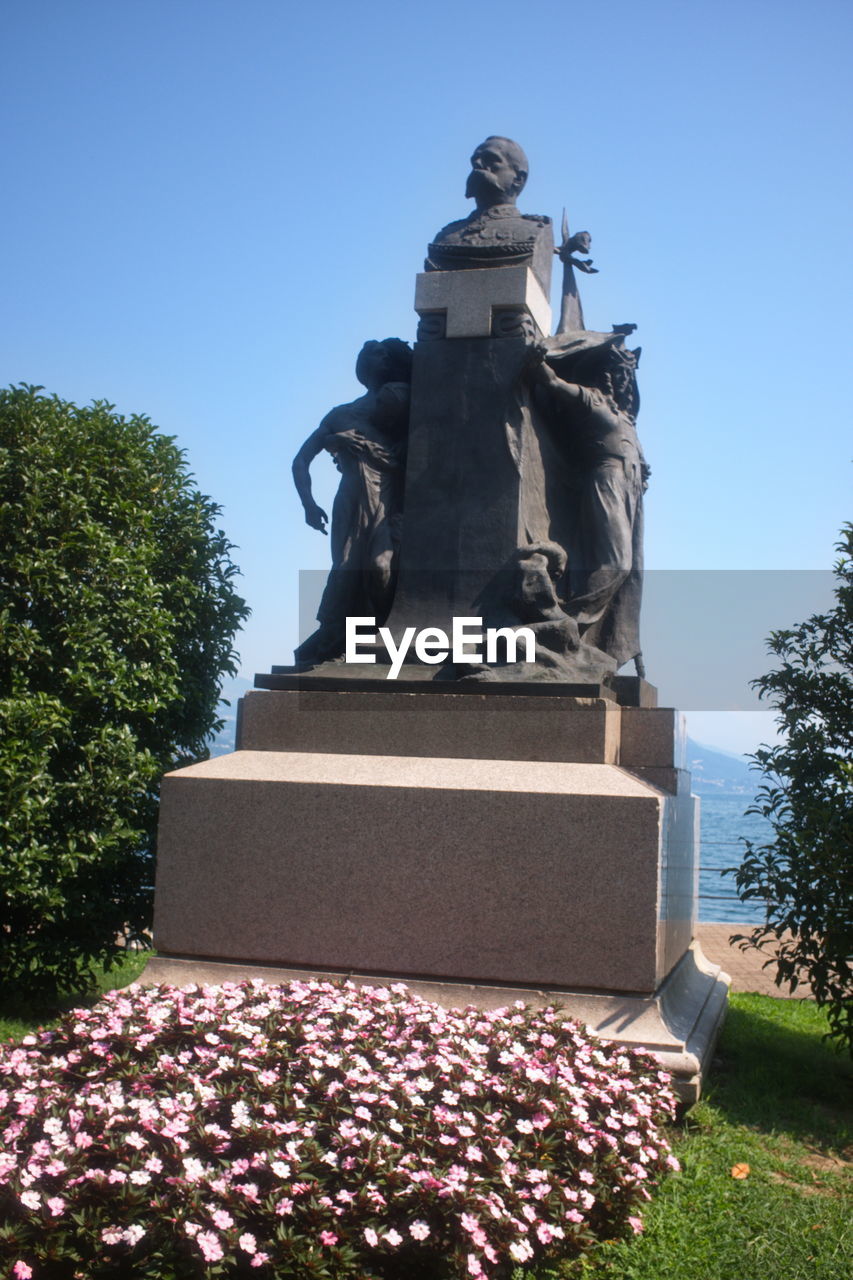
(470,298)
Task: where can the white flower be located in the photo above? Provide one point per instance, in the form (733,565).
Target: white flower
(193,1169)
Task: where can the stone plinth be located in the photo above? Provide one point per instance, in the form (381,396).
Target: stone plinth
(467,842)
(468,299)
(460,726)
(679,1023)
(467,837)
(482,870)
(460,532)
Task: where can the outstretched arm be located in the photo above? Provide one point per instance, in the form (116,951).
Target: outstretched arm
(315,516)
(542,375)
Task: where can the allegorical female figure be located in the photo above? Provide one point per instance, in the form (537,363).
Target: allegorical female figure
(367,440)
(586,387)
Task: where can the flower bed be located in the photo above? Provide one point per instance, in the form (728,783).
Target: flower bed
(317,1129)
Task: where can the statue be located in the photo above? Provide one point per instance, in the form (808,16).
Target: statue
(524,477)
(571,311)
(367,440)
(524,594)
(495,234)
(585,386)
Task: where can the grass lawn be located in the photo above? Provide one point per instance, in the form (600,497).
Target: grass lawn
(21,1016)
(778,1101)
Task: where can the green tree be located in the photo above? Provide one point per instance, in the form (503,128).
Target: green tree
(805,872)
(117,617)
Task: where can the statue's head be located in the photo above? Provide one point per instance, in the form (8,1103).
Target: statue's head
(498,172)
(600,360)
(381,362)
(614,372)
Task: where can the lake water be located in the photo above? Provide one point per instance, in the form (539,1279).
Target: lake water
(723,825)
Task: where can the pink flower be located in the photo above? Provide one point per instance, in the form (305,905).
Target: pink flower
(193,1169)
(393,1238)
(475,1267)
(21,1271)
(419,1230)
(56,1206)
(328,1238)
(371,1237)
(248,1243)
(209,1245)
(222,1219)
(636,1225)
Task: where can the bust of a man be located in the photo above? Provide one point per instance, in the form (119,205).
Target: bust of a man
(495,234)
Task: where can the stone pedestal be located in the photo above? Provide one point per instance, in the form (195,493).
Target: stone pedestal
(481,846)
(470,302)
(473,496)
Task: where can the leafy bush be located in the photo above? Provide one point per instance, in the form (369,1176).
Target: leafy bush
(804,873)
(117,614)
(318,1129)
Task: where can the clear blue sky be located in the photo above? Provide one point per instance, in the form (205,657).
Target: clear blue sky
(209,206)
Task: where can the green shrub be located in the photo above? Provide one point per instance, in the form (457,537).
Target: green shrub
(117,616)
(804,872)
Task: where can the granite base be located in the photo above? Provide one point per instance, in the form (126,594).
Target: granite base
(679,1022)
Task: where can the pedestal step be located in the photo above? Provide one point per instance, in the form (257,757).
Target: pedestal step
(679,1023)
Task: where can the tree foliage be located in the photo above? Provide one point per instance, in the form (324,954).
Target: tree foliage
(805,873)
(117,616)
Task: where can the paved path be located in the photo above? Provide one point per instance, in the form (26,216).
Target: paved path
(743,967)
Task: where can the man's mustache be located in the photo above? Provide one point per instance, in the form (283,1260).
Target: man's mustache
(480,178)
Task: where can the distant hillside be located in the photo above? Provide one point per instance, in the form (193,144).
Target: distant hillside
(716,773)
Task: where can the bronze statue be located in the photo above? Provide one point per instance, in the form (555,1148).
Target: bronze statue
(495,234)
(525,475)
(586,388)
(367,439)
